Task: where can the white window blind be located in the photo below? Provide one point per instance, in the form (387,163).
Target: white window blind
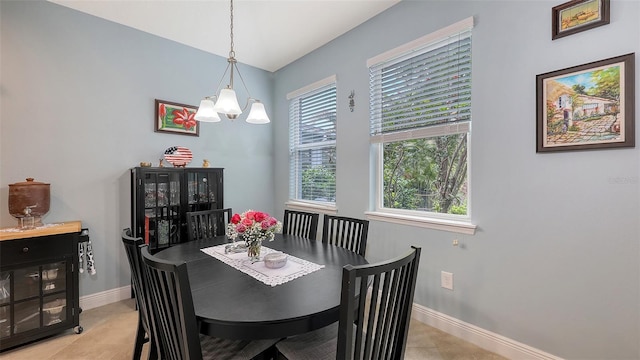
(312,144)
(420,87)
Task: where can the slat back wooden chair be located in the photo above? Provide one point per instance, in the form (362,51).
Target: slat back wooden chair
(173,312)
(300,223)
(138,279)
(374,318)
(346,232)
(207,223)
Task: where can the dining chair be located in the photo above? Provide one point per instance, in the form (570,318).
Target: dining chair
(346,232)
(173,312)
(300,223)
(138,280)
(207,223)
(375,311)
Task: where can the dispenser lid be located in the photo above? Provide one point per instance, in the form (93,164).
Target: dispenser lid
(29,182)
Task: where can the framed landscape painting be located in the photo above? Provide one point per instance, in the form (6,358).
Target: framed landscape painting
(578,15)
(176,118)
(587,106)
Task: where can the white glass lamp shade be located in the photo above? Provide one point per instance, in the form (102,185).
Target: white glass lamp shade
(206,113)
(228,104)
(258,115)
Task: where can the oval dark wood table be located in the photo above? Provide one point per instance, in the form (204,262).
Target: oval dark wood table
(233,305)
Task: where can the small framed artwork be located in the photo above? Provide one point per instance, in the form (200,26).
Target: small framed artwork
(176,118)
(589,106)
(578,15)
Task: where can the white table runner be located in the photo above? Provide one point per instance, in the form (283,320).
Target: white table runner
(293,269)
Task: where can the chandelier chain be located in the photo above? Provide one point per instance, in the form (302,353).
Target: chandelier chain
(232,53)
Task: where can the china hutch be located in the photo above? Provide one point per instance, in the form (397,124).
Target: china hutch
(39,283)
(162,196)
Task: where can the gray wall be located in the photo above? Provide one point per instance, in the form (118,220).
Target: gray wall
(77,109)
(555,260)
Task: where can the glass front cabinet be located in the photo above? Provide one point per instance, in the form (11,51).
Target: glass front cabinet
(161,198)
(38,288)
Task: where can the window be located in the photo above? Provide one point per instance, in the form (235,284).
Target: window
(420,105)
(312,143)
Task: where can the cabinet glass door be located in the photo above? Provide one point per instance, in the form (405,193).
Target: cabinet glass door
(5,310)
(39,297)
(161,208)
(202,190)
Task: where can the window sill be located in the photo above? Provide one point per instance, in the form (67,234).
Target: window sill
(307,206)
(456,226)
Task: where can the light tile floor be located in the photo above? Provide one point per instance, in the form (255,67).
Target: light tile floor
(109,332)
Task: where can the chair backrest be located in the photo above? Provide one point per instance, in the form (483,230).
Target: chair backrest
(376,326)
(173,312)
(138,279)
(300,223)
(207,223)
(348,233)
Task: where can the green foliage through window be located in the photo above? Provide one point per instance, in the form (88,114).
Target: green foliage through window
(318,184)
(428,174)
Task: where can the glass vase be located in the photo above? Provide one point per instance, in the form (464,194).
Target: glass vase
(253,249)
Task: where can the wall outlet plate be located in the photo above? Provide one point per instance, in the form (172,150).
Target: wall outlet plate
(446,280)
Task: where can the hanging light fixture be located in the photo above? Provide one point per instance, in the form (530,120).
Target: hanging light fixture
(226,102)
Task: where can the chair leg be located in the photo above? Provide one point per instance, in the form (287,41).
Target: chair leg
(140,340)
(153,350)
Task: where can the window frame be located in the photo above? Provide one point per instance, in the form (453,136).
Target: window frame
(432,220)
(329,207)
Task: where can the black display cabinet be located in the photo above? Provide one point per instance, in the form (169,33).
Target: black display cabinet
(161,198)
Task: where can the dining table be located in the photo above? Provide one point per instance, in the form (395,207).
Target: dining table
(232,304)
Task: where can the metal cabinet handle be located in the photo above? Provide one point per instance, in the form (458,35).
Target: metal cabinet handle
(25,249)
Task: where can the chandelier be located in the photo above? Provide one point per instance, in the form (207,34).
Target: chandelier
(226,102)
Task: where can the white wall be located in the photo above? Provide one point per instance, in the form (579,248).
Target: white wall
(555,261)
(77,107)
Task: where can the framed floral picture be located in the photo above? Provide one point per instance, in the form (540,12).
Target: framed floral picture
(176,118)
(589,106)
(578,15)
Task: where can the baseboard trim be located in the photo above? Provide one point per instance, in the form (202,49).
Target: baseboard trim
(105,297)
(485,339)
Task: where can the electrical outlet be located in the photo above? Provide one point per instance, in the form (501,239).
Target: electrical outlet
(446,280)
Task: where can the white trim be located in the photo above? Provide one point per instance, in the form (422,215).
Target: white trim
(316,85)
(105,297)
(421,42)
(307,206)
(456,226)
(485,339)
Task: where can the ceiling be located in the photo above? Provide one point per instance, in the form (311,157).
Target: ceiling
(268,34)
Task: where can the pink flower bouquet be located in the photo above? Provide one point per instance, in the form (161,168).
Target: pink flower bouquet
(253,226)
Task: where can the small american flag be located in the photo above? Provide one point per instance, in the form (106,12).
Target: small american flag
(178,155)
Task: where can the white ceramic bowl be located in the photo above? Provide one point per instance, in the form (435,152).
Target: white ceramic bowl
(54,311)
(54,308)
(275,260)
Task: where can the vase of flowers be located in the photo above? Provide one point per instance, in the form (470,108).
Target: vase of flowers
(253,227)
